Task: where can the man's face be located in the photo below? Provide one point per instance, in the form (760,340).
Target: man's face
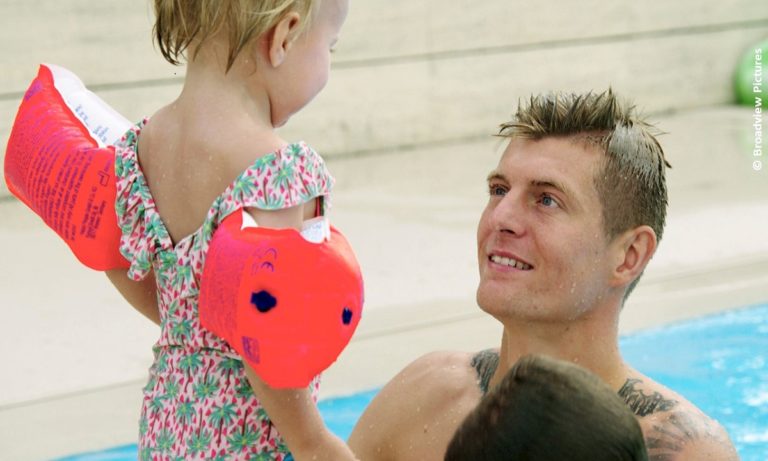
(542,252)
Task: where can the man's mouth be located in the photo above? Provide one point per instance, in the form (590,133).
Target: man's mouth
(504,261)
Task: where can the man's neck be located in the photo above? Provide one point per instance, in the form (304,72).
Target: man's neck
(588,343)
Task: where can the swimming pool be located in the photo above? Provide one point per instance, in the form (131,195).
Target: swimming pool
(719,362)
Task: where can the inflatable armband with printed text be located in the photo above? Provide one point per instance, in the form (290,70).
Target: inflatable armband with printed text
(60,163)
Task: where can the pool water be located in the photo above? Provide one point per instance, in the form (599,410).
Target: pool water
(718,362)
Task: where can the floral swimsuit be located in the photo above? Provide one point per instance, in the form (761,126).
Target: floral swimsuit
(198,403)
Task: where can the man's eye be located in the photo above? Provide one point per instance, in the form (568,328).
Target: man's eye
(548,201)
(496,190)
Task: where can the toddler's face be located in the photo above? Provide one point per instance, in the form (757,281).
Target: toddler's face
(308,61)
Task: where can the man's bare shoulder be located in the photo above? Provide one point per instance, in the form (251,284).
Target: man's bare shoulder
(447,371)
(430,380)
(416,413)
(674,428)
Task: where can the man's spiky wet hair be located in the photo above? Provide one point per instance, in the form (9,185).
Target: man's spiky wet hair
(631,180)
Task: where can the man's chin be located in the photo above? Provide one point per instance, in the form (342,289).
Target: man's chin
(492,302)
(508,305)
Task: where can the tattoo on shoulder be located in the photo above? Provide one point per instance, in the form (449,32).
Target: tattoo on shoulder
(667,438)
(485,364)
(643,404)
(666,435)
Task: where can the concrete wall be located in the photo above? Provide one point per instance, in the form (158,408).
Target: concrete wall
(413,72)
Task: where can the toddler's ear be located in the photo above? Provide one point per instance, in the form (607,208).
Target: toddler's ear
(282,36)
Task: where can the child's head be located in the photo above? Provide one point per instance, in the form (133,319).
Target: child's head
(287,42)
(544,410)
(181,24)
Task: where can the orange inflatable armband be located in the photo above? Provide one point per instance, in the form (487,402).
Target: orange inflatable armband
(288,306)
(60,163)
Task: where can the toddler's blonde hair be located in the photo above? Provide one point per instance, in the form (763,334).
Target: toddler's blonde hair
(179,23)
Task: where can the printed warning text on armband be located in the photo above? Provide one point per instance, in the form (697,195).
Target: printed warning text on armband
(81,114)
(75,165)
(65,177)
(57,194)
(20,163)
(101,133)
(90,221)
(40,187)
(92,216)
(34,132)
(51,166)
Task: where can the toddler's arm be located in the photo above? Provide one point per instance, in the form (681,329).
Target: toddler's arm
(293,411)
(141,295)
(296,417)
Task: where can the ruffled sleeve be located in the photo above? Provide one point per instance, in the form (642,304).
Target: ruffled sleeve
(291,176)
(137,242)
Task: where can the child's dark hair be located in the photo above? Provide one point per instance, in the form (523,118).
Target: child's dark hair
(549,410)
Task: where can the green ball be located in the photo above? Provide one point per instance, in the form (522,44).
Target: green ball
(748,71)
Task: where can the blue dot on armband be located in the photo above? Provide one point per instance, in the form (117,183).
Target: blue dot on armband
(263,301)
(346,316)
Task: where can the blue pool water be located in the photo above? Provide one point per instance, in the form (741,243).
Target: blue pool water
(719,362)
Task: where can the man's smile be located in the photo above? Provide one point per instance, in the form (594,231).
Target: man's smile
(512,262)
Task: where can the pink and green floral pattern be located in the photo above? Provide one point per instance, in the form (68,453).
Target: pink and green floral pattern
(198,403)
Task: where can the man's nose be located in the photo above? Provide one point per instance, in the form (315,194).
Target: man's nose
(509,214)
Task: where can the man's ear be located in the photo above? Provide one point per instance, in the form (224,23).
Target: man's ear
(281,37)
(632,250)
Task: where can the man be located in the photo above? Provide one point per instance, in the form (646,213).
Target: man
(576,208)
